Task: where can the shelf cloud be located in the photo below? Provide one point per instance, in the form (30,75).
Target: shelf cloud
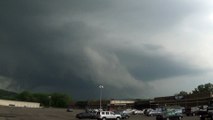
(133,48)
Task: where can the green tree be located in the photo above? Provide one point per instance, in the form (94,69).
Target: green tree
(203,88)
(56,99)
(181,93)
(25,96)
(60,100)
(82,104)
(42,98)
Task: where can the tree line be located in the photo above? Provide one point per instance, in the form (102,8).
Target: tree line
(63,100)
(46,100)
(208,87)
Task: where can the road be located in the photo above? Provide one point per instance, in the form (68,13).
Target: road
(13,113)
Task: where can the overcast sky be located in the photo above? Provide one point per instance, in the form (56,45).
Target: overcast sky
(134,48)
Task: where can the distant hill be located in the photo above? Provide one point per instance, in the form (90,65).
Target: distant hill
(7,94)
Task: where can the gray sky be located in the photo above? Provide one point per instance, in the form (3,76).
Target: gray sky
(135,48)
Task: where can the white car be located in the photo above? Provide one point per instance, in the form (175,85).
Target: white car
(154,112)
(137,112)
(129,111)
(104,115)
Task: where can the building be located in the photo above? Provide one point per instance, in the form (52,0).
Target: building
(121,104)
(186,100)
(111,104)
(144,103)
(19,103)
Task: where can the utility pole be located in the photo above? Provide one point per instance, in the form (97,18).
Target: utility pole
(101,87)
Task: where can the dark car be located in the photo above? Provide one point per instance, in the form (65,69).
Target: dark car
(123,115)
(192,111)
(206,114)
(169,115)
(89,115)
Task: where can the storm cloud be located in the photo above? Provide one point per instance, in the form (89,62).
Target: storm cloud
(128,46)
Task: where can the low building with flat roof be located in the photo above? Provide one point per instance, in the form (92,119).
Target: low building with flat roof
(121,104)
(19,103)
(186,100)
(112,104)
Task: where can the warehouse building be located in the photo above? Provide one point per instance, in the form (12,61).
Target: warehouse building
(19,103)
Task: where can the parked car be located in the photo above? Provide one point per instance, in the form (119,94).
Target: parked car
(123,115)
(104,115)
(169,115)
(137,112)
(146,111)
(69,109)
(154,112)
(206,113)
(91,110)
(183,110)
(129,111)
(90,115)
(192,111)
(178,110)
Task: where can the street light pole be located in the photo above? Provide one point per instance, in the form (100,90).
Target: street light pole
(49,100)
(101,87)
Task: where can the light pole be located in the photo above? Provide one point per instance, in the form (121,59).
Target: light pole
(50,97)
(101,87)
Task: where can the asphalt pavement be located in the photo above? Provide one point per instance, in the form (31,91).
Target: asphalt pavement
(13,113)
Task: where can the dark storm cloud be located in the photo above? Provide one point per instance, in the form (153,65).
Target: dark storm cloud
(147,16)
(40,57)
(32,53)
(60,46)
(151,66)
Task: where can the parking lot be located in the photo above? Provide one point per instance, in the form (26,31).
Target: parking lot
(13,113)
(142,117)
